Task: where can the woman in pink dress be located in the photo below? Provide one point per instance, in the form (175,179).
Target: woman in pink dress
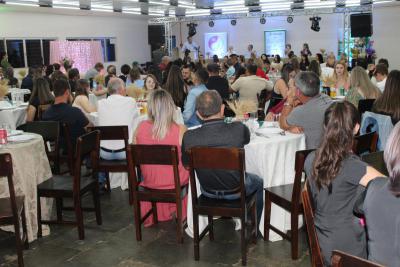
(161,129)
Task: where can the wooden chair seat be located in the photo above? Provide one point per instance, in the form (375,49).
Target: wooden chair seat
(64,185)
(6,212)
(282,193)
(110,165)
(161,195)
(377,161)
(206,202)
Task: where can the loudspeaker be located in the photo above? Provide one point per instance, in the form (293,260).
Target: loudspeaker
(361,25)
(156,34)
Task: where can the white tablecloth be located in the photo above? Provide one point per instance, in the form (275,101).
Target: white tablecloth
(13,117)
(120,179)
(272,159)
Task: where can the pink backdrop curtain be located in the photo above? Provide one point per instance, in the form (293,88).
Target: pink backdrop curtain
(85,54)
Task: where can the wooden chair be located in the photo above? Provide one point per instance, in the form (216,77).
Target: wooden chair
(365,143)
(69,156)
(12,208)
(365,105)
(50,132)
(273,102)
(287,197)
(107,166)
(155,155)
(316,256)
(377,161)
(342,259)
(232,159)
(74,187)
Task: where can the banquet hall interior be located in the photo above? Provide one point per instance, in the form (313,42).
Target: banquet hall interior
(199,133)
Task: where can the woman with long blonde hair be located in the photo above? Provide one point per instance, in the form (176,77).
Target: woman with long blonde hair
(161,129)
(361,87)
(341,75)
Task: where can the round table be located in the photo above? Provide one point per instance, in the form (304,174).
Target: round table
(273,160)
(14,117)
(31,167)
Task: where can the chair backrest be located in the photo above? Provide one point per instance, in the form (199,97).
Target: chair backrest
(377,161)
(113,133)
(316,256)
(273,102)
(301,156)
(49,130)
(87,146)
(342,259)
(6,170)
(365,143)
(152,155)
(212,158)
(365,105)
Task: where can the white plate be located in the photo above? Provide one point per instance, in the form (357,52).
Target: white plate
(15,132)
(270,124)
(24,104)
(5,108)
(20,138)
(266,131)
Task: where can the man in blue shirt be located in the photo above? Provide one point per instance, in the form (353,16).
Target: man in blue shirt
(200,78)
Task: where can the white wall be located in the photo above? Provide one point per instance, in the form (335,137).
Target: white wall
(250,31)
(386,33)
(130,32)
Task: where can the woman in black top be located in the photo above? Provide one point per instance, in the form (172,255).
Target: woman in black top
(12,81)
(41,95)
(335,175)
(389,102)
(382,206)
(175,85)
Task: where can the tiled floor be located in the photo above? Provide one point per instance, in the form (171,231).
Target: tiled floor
(114,244)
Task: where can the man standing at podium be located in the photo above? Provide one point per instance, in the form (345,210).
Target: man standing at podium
(191,46)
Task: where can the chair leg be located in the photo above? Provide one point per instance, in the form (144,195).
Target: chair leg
(18,242)
(196,237)
(79,217)
(254,222)
(179,227)
(211,229)
(154,209)
(108,182)
(243,240)
(294,238)
(96,202)
(24,229)
(59,205)
(39,216)
(267,216)
(137,215)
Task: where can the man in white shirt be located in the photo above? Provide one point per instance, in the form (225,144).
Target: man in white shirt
(230,51)
(381,72)
(117,109)
(251,85)
(191,46)
(250,51)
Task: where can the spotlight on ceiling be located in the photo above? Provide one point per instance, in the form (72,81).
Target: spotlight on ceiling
(262,20)
(211,23)
(289,19)
(315,23)
(233,22)
(192,29)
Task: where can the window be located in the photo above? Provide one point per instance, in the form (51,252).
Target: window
(46,51)
(15,51)
(107,45)
(34,53)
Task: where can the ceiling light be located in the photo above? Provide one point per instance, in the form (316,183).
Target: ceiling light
(289,19)
(211,23)
(233,22)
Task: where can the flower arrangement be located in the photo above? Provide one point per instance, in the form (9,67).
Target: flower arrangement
(3,88)
(135,92)
(328,81)
(242,107)
(99,79)
(67,62)
(22,73)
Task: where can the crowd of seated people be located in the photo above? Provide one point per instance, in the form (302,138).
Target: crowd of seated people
(337,177)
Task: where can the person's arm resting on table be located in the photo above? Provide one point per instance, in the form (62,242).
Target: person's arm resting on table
(288,116)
